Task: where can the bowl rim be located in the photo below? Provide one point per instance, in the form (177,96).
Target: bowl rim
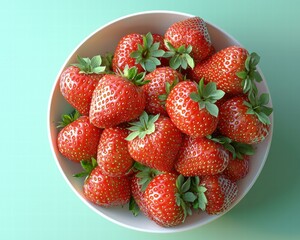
(163,230)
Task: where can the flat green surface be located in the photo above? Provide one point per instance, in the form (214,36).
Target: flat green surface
(37,37)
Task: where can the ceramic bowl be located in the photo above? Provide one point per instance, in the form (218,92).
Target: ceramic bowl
(105,39)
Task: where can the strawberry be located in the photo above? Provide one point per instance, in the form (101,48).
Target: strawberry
(139,183)
(101,189)
(220,193)
(245,120)
(168,199)
(192,108)
(161,80)
(78,82)
(118,99)
(233,69)
(141,51)
(201,156)
(154,142)
(78,140)
(113,157)
(238,166)
(187,41)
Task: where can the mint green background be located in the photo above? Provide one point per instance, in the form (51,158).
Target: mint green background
(37,37)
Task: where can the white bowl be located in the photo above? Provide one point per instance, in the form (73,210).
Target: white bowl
(105,40)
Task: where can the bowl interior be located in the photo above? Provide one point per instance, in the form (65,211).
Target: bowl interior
(105,40)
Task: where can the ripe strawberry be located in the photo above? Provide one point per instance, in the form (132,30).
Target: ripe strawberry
(192,108)
(78,82)
(245,121)
(168,199)
(201,156)
(141,51)
(238,166)
(188,40)
(154,142)
(101,189)
(220,193)
(113,157)
(139,183)
(79,139)
(118,99)
(233,69)
(161,80)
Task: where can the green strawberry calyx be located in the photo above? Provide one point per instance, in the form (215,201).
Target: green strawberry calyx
(147,54)
(87,166)
(179,57)
(201,201)
(207,96)
(66,119)
(184,196)
(132,75)
(257,106)
(168,88)
(90,66)
(250,74)
(145,174)
(238,150)
(145,125)
(133,206)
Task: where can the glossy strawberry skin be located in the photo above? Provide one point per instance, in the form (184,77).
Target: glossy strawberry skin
(77,88)
(222,68)
(112,156)
(201,156)
(220,193)
(237,168)
(116,100)
(138,195)
(106,191)
(186,113)
(159,149)
(156,87)
(191,31)
(161,201)
(79,140)
(235,123)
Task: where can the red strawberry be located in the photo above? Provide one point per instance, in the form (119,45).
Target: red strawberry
(238,166)
(154,142)
(189,36)
(113,157)
(232,69)
(191,107)
(139,183)
(117,99)
(167,199)
(78,82)
(161,80)
(220,193)
(141,51)
(245,121)
(101,189)
(201,156)
(79,139)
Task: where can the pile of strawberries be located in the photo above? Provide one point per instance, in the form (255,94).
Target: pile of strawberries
(165,123)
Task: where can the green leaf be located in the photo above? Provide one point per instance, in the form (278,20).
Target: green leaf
(247,63)
(132,136)
(209,89)
(186,185)
(263,118)
(135,54)
(257,76)
(263,99)
(96,61)
(133,207)
(183,63)
(212,109)
(175,62)
(149,39)
(189,197)
(195,97)
(255,58)
(158,53)
(190,61)
(99,70)
(266,110)
(179,181)
(242,74)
